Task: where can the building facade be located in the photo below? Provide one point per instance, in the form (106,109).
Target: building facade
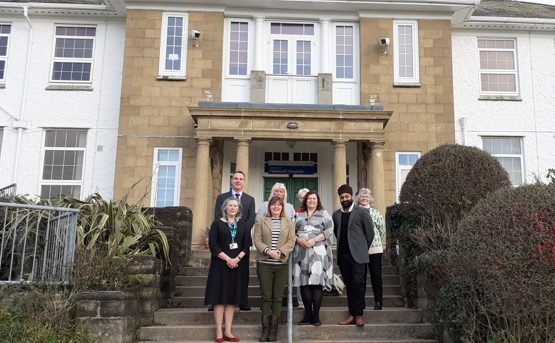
(318,95)
(60,81)
(503,74)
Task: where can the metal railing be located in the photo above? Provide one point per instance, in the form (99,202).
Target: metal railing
(37,243)
(8,191)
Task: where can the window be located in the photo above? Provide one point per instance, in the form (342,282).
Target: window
(173,44)
(498,74)
(344,52)
(508,151)
(404,162)
(292,48)
(64,157)
(73,54)
(4,40)
(405,58)
(238,48)
(167,177)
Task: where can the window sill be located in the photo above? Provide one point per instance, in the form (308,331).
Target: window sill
(171,78)
(500,98)
(2,85)
(407,85)
(69,88)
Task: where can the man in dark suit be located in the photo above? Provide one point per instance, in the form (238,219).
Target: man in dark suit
(354,231)
(248,214)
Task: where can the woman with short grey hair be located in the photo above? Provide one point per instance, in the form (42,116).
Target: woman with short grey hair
(366,200)
(226,287)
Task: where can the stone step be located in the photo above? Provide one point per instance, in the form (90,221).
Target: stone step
(203,271)
(254,290)
(179,316)
(329,301)
(329,332)
(253,281)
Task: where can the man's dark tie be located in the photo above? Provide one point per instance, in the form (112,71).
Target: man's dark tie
(237,195)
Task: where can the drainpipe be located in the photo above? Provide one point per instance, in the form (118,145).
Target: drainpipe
(20,124)
(462,122)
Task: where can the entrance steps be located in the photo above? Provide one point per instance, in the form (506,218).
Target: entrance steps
(189,321)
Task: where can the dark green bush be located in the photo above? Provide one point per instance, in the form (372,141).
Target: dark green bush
(504,250)
(448,181)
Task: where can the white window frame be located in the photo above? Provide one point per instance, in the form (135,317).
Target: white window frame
(400,168)
(76,182)
(356,52)
(227,47)
(403,80)
(314,39)
(499,71)
(72,60)
(155,168)
(182,72)
(520,156)
(1,140)
(5,58)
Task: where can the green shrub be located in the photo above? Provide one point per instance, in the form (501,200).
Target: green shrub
(504,250)
(33,315)
(448,181)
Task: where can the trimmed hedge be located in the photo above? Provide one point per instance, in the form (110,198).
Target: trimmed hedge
(504,255)
(448,181)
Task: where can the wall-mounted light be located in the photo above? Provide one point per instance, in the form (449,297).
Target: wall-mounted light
(195,35)
(292,125)
(384,43)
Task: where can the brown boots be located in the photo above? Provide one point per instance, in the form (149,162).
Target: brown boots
(273,329)
(266,322)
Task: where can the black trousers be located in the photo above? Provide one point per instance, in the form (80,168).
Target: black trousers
(375,267)
(354,277)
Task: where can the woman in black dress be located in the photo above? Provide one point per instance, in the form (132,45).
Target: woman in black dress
(229,242)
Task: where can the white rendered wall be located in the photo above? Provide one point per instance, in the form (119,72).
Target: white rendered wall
(96,110)
(532,118)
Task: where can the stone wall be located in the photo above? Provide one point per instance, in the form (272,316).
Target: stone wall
(108,316)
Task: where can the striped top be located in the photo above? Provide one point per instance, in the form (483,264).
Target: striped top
(276,229)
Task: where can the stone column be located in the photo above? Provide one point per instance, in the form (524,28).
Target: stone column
(242,160)
(200,212)
(377,172)
(339,168)
(368,162)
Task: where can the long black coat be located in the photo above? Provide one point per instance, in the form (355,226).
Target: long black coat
(224,285)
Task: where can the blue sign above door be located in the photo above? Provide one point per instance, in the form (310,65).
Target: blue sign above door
(280,169)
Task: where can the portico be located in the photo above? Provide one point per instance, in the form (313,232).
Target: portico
(244,123)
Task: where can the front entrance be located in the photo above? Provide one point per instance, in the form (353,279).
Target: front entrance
(292,184)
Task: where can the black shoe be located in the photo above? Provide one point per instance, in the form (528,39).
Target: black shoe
(305,321)
(211,308)
(244,307)
(316,322)
(378,305)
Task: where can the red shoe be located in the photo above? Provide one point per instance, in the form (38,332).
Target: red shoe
(219,340)
(231,339)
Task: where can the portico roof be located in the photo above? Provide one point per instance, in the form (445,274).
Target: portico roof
(289,121)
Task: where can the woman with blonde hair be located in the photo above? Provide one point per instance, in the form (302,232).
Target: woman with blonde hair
(278,189)
(274,239)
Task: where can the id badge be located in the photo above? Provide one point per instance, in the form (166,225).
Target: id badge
(233,246)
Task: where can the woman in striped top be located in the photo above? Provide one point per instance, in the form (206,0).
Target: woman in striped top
(274,239)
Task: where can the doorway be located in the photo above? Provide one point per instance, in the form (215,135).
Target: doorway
(292,184)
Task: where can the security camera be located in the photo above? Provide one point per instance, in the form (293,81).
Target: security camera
(195,34)
(384,41)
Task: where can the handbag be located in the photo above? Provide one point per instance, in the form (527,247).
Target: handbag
(337,286)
